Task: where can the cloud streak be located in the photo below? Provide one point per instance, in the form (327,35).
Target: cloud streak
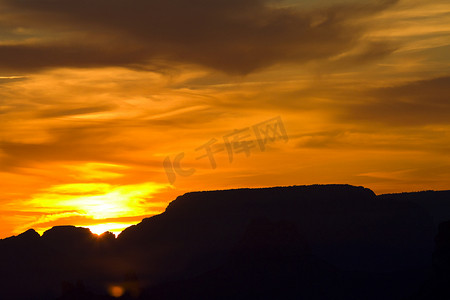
(236,37)
(417,103)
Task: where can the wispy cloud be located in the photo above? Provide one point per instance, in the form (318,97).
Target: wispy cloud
(237,37)
(93,99)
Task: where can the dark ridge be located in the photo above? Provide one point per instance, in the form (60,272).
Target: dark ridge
(314,242)
(435,203)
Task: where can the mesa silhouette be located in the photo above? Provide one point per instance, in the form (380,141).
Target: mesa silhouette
(299,242)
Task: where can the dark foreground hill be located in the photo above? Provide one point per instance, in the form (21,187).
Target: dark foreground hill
(301,242)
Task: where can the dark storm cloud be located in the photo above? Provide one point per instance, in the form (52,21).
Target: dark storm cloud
(234,36)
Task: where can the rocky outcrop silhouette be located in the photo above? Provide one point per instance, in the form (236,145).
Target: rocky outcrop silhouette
(318,242)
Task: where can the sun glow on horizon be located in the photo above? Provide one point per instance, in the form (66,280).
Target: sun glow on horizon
(115,228)
(79,204)
(98,229)
(98,200)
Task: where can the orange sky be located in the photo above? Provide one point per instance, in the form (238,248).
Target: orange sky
(94,99)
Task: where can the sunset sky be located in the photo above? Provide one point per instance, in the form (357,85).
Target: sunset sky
(96,95)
